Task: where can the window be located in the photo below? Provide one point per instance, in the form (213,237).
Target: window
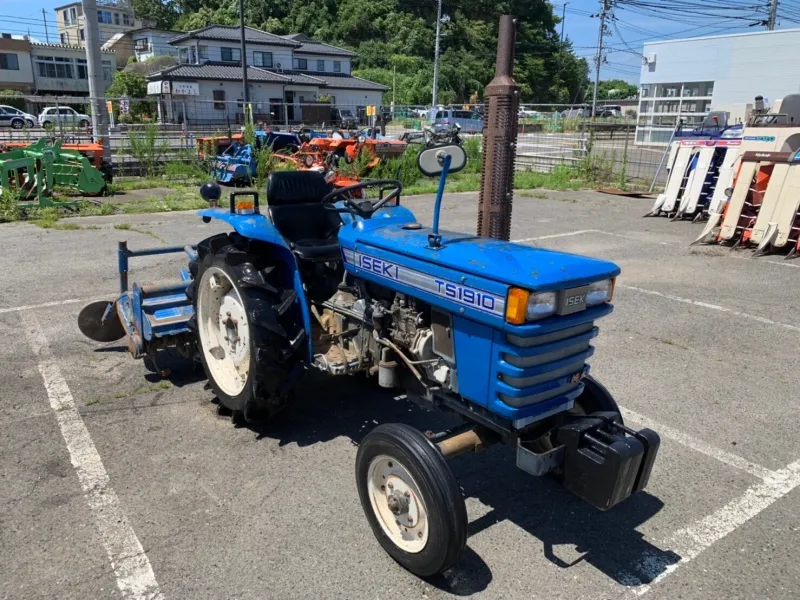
(81,68)
(193,55)
(219,99)
(202,52)
(56,67)
(183,57)
(73,15)
(104,16)
(116,18)
(141,44)
(320,65)
(231,54)
(83,35)
(9,62)
(65,14)
(337,66)
(65,38)
(262,59)
(302,64)
(126,19)
(108,71)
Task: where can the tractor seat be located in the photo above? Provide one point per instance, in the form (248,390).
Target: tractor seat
(295,208)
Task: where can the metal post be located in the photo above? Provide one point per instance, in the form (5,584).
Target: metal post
(598,59)
(44,18)
(246,93)
(563,20)
(436,57)
(773,14)
(94,64)
(122,266)
(500,139)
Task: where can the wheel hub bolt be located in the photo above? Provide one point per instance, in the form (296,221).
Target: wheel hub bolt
(397,504)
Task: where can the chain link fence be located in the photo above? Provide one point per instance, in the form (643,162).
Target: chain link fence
(603,151)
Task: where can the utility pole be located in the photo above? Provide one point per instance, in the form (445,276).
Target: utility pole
(598,59)
(44,18)
(394,86)
(773,14)
(246,92)
(563,20)
(94,64)
(436,57)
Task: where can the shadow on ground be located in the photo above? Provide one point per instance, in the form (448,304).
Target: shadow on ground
(570,530)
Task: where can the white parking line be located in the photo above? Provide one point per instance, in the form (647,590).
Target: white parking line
(698,445)
(134,574)
(691,541)
(555,235)
(717,307)
(47,304)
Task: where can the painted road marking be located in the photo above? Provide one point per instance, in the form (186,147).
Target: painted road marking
(691,541)
(48,304)
(716,307)
(555,235)
(134,574)
(698,445)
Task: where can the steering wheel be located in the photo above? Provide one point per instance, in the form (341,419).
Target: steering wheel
(362,207)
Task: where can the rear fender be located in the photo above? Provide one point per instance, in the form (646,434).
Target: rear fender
(258,227)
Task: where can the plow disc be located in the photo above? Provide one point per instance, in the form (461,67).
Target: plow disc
(99,322)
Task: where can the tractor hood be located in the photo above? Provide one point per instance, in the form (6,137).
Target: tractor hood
(535,269)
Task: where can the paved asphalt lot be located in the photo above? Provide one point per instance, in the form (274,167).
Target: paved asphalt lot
(115,484)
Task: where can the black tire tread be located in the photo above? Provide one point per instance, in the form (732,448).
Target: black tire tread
(271,333)
(433,475)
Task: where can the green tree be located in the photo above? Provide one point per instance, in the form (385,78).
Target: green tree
(616,89)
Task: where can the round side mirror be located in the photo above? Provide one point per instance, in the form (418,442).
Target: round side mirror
(431,160)
(729,192)
(210,192)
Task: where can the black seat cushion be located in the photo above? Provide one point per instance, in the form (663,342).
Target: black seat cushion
(295,206)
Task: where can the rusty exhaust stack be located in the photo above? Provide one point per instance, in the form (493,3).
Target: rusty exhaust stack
(501,99)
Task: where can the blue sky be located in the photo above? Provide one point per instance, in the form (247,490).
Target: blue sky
(629,30)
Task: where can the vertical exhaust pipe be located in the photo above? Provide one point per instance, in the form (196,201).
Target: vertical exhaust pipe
(501,98)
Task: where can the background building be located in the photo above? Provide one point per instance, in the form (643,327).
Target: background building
(113,16)
(687,78)
(16,70)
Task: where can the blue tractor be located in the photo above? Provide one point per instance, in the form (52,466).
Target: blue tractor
(322,278)
(237,164)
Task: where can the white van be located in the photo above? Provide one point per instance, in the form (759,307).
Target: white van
(469,121)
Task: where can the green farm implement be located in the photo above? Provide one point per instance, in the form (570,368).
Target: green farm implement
(32,174)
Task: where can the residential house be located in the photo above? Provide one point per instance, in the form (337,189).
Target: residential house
(113,17)
(16,70)
(286,77)
(144,43)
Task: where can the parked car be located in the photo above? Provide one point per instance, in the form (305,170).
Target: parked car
(527,113)
(344,118)
(64,115)
(469,121)
(13,117)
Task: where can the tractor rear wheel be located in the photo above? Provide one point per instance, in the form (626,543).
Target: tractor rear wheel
(411,499)
(249,334)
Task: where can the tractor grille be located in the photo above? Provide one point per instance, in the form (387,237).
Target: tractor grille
(536,369)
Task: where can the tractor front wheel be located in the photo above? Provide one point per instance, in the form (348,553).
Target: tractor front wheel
(249,336)
(411,499)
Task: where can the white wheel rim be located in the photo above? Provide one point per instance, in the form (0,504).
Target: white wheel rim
(224,331)
(397,503)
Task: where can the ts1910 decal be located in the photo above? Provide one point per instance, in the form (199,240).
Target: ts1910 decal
(463,295)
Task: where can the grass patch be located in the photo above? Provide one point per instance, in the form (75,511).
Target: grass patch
(128,227)
(93,401)
(146,389)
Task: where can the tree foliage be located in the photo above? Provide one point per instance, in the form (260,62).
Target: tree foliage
(616,89)
(399,35)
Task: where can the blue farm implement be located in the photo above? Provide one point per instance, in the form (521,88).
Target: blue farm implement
(347,281)
(238,163)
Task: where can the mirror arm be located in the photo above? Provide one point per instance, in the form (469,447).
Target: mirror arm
(434,239)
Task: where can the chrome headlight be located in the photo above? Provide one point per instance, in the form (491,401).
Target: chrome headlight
(540,305)
(599,292)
